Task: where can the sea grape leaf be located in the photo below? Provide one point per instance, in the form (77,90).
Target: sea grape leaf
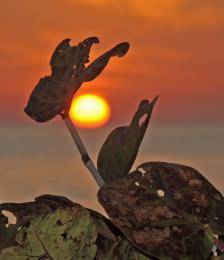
(120,149)
(166,210)
(25,212)
(96,67)
(65,234)
(50,218)
(53,94)
(190,190)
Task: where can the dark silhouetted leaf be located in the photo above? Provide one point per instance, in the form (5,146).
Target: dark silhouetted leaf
(166,210)
(53,94)
(120,149)
(96,67)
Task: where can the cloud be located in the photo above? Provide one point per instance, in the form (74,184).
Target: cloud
(177,13)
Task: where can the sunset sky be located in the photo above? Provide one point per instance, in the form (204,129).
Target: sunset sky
(177,51)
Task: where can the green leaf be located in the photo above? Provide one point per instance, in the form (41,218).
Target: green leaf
(65,234)
(53,94)
(25,212)
(166,210)
(120,149)
(53,226)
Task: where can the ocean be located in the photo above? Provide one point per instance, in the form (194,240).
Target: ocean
(38,159)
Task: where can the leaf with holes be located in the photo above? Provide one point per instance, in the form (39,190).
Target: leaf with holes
(65,234)
(24,213)
(50,212)
(120,149)
(166,210)
(53,94)
(45,204)
(7,231)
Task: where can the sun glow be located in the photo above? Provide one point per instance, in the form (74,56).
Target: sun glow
(89,111)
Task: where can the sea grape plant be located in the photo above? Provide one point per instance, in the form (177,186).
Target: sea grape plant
(159,211)
(55,228)
(53,94)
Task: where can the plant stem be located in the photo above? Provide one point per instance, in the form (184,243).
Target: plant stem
(81,147)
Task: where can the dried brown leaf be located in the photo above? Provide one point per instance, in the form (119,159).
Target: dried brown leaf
(53,94)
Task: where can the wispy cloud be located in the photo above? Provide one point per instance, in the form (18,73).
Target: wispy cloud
(178,13)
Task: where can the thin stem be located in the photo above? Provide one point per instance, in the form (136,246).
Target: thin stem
(81,147)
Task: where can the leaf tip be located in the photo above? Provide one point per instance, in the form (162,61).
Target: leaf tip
(154,100)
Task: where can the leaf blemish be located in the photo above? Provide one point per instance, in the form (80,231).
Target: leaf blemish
(142,171)
(11,217)
(161,193)
(142,120)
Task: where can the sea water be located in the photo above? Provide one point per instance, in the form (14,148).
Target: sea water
(38,159)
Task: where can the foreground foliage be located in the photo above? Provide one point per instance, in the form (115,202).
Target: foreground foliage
(159,211)
(53,227)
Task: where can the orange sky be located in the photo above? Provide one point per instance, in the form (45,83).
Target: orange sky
(177,51)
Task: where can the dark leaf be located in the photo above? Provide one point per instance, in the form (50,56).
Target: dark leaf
(120,149)
(53,94)
(166,210)
(96,67)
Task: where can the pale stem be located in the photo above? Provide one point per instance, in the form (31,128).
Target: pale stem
(81,147)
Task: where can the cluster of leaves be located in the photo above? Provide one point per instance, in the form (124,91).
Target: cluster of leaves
(168,211)
(161,210)
(53,227)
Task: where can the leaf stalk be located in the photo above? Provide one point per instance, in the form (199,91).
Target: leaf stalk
(82,150)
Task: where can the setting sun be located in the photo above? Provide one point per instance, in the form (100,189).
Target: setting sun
(89,111)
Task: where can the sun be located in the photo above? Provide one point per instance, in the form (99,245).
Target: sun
(89,111)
